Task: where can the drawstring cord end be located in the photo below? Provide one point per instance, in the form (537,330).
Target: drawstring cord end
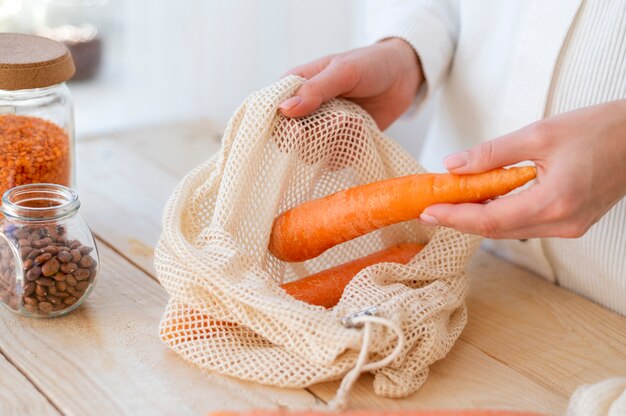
(365,318)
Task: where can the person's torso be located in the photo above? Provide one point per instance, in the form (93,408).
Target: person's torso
(515,63)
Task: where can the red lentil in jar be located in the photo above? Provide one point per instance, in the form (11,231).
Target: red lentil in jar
(33,150)
(36,113)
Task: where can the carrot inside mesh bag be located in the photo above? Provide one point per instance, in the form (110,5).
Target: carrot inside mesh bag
(213,258)
(323,289)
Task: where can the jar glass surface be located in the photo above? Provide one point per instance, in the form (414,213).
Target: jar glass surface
(48,256)
(36,137)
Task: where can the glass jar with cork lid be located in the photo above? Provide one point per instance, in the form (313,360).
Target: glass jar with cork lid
(36,112)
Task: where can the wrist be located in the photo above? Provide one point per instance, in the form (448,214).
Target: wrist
(411,65)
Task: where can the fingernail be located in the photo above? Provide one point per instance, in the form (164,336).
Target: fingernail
(429,220)
(456,160)
(290,103)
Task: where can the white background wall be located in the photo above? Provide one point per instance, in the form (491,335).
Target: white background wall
(171,61)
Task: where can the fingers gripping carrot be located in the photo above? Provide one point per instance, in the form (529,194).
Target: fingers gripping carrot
(308,230)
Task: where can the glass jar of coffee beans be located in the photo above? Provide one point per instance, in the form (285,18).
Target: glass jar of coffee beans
(48,256)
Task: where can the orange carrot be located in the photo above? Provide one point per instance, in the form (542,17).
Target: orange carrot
(323,288)
(326,287)
(306,231)
(365,412)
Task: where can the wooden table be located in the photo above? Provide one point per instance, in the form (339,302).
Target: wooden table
(528,344)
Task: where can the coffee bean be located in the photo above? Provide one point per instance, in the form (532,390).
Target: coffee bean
(42,258)
(25,250)
(82,285)
(71,280)
(51,249)
(63,295)
(69,267)
(41,242)
(75,244)
(54,300)
(61,286)
(86,261)
(40,291)
(44,281)
(64,242)
(33,273)
(85,249)
(30,301)
(64,256)
(50,267)
(45,307)
(52,290)
(70,300)
(59,277)
(34,254)
(52,232)
(75,255)
(27,264)
(29,288)
(82,274)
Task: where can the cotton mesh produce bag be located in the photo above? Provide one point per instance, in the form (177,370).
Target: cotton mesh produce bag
(227,313)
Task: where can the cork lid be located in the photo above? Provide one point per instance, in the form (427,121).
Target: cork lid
(28,61)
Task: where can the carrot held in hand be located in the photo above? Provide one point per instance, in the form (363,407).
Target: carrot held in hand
(326,287)
(306,231)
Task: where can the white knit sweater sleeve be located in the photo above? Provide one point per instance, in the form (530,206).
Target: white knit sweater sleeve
(430,26)
(606,398)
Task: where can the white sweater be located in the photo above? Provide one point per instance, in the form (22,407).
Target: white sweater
(501,65)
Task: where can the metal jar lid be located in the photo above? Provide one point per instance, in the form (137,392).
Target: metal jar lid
(28,61)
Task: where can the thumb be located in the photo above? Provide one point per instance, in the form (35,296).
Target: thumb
(334,80)
(503,151)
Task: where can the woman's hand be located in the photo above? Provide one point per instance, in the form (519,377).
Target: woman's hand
(382,78)
(581,173)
